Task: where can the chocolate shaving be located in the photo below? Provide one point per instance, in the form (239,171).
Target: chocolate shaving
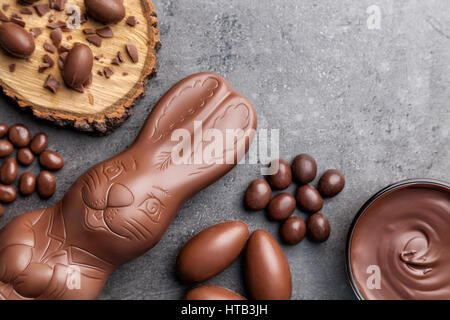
(5,7)
(57,24)
(3,17)
(17,16)
(108,72)
(98,57)
(91,98)
(125,74)
(95,40)
(58,5)
(62,60)
(115,61)
(132,52)
(83,18)
(18,21)
(43,67)
(47,59)
(105,32)
(132,21)
(26,10)
(56,36)
(51,18)
(69,37)
(49,47)
(51,83)
(100,73)
(89,31)
(64,48)
(41,9)
(120,56)
(35,32)
(12,67)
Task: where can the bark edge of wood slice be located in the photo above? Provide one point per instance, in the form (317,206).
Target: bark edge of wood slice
(101,120)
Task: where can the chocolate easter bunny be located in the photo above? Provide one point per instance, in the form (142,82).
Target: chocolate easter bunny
(120,208)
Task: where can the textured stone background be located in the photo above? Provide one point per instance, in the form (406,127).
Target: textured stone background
(373,103)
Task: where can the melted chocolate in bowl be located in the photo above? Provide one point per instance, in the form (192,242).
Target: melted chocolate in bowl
(399,245)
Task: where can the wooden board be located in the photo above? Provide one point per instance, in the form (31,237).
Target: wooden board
(106,103)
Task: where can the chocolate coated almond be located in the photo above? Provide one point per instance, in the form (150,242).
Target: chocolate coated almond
(78,66)
(8,171)
(106,11)
(267,273)
(211,251)
(257,195)
(6,148)
(208,292)
(7,193)
(16,41)
(39,143)
(51,160)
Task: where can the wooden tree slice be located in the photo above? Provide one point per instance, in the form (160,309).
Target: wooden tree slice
(106,103)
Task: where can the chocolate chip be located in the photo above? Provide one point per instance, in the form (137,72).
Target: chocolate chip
(3,17)
(95,40)
(19,135)
(57,24)
(12,67)
(26,10)
(25,156)
(35,32)
(131,21)
(98,57)
(108,72)
(27,183)
(49,47)
(18,21)
(47,59)
(56,36)
(41,9)
(51,83)
(105,32)
(89,31)
(132,52)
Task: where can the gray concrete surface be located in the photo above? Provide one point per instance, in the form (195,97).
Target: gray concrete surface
(373,103)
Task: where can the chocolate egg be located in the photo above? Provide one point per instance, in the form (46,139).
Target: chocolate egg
(106,11)
(16,41)
(211,251)
(267,273)
(257,195)
(78,66)
(208,292)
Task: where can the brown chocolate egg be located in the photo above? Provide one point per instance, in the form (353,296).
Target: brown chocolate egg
(211,251)
(106,11)
(16,41)
(78,66)
(208,292)
(267,273)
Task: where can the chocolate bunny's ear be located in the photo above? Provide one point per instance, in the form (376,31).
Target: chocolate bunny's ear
(199,131)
